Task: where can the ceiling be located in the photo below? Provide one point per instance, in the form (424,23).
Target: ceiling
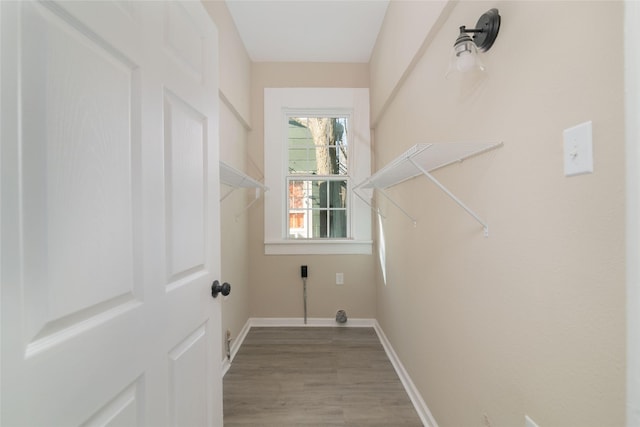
(308,30)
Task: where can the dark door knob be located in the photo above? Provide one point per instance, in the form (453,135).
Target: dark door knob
(217,288)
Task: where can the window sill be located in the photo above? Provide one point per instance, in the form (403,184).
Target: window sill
(318,247)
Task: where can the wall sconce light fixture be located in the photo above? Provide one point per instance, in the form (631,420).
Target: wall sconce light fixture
(465,49)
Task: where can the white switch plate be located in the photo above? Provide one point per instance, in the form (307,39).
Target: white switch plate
(528,422)
(339,278)
(578,149)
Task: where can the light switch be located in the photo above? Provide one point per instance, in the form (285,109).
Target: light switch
(578,149)
(339,278)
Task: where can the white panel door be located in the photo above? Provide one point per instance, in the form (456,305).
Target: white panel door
(109,214)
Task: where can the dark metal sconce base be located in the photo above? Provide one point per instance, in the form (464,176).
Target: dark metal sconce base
(489,24)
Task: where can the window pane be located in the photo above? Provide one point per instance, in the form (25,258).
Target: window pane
(317,208)
(338,194)
(297,196)
(299,160)
(320,224)
(319,197)
(296,220)
(338,223)
(318,145)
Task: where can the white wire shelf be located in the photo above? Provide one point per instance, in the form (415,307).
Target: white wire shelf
(429,157)
(235,179)
(422,159)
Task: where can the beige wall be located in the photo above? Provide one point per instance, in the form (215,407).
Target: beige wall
(530,320)
(276,286)
(407,30)
(235,64)
(235,71)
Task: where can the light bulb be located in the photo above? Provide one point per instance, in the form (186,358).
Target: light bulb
(464,57)
(465,61)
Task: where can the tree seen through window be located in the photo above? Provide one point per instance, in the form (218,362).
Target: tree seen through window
(317,177)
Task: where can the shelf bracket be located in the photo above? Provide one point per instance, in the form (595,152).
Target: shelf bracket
(238,179)
(384,193)
(373,208)
(227,194)
(246,208)
(452,196)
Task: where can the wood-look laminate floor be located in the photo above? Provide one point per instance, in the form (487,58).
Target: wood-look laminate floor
(314,377)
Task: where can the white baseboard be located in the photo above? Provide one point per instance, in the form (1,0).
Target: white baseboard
(235,346)
(259,322)
(237,342)
(416,398)
(262,322)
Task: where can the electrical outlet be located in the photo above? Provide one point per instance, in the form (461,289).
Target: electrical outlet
(578,149)
(339,278)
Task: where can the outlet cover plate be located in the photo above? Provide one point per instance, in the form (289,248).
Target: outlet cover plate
(578,149)
(339,278)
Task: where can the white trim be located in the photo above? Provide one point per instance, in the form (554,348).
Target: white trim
(240,339)
(279,101)
(416,398)
(632,131)
(284,322)
(318,247)
(226,365)
(235,346)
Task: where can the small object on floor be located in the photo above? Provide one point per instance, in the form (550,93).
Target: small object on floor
(341,316)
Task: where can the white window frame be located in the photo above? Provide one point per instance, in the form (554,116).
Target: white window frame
(279,105)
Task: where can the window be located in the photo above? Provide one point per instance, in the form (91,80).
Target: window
(317,147)
(317,177)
